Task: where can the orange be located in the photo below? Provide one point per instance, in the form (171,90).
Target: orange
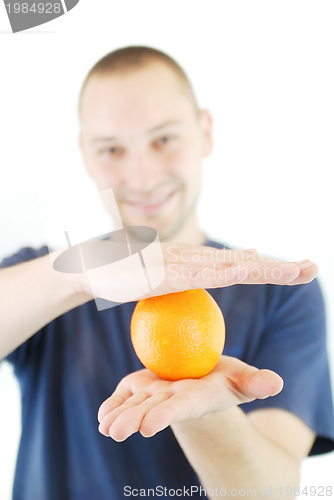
(178,335)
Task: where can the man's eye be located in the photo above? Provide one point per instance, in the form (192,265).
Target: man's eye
(114,151)
(163,140)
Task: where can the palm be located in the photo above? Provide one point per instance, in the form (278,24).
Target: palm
(145,403)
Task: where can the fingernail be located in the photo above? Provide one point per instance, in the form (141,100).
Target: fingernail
(147,435)
(288,265)
(304,264)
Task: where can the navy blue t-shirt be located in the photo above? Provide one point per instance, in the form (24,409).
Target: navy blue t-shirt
(70,366)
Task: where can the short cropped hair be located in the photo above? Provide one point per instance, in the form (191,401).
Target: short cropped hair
(128,59)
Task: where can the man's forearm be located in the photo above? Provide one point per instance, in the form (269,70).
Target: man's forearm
(31,295)
(227,452)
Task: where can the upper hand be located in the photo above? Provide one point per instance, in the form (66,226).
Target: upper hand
(145,403)
(192,266)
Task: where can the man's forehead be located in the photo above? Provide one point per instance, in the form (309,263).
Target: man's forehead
(136,84)
(143,101)
(154,83)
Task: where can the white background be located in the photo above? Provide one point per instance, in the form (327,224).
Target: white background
(264,69)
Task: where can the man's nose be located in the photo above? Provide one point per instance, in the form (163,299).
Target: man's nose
(142,171)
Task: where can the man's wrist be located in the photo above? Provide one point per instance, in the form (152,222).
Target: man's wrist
(229,419)
(80,287)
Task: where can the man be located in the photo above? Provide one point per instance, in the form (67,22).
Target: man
(143,136)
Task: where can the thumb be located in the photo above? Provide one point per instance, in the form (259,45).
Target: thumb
(262,384)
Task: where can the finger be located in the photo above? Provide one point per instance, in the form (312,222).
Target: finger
(210,257)
(263,384)
(269,272)
(248,382)
(129,421)
(187,277)
(308,271)
(110,417)
(266,271)
(177,408)
(250,272)
(118,397)
(281,273)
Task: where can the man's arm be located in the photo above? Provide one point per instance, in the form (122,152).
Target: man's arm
(228,449)
(234,451)
(32,294)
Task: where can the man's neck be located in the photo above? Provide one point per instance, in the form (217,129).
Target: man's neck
(190,234)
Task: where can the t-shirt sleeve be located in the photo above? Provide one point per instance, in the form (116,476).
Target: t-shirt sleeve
(294,345)
(23,255)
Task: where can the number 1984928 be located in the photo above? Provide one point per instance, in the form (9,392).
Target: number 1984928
(35,8)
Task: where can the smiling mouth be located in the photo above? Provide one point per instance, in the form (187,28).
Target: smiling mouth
(151,205)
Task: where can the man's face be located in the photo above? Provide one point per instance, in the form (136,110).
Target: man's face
(142,137)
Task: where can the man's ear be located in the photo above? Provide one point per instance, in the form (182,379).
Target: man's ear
(206,123)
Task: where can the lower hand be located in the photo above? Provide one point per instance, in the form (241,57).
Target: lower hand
(144,403)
